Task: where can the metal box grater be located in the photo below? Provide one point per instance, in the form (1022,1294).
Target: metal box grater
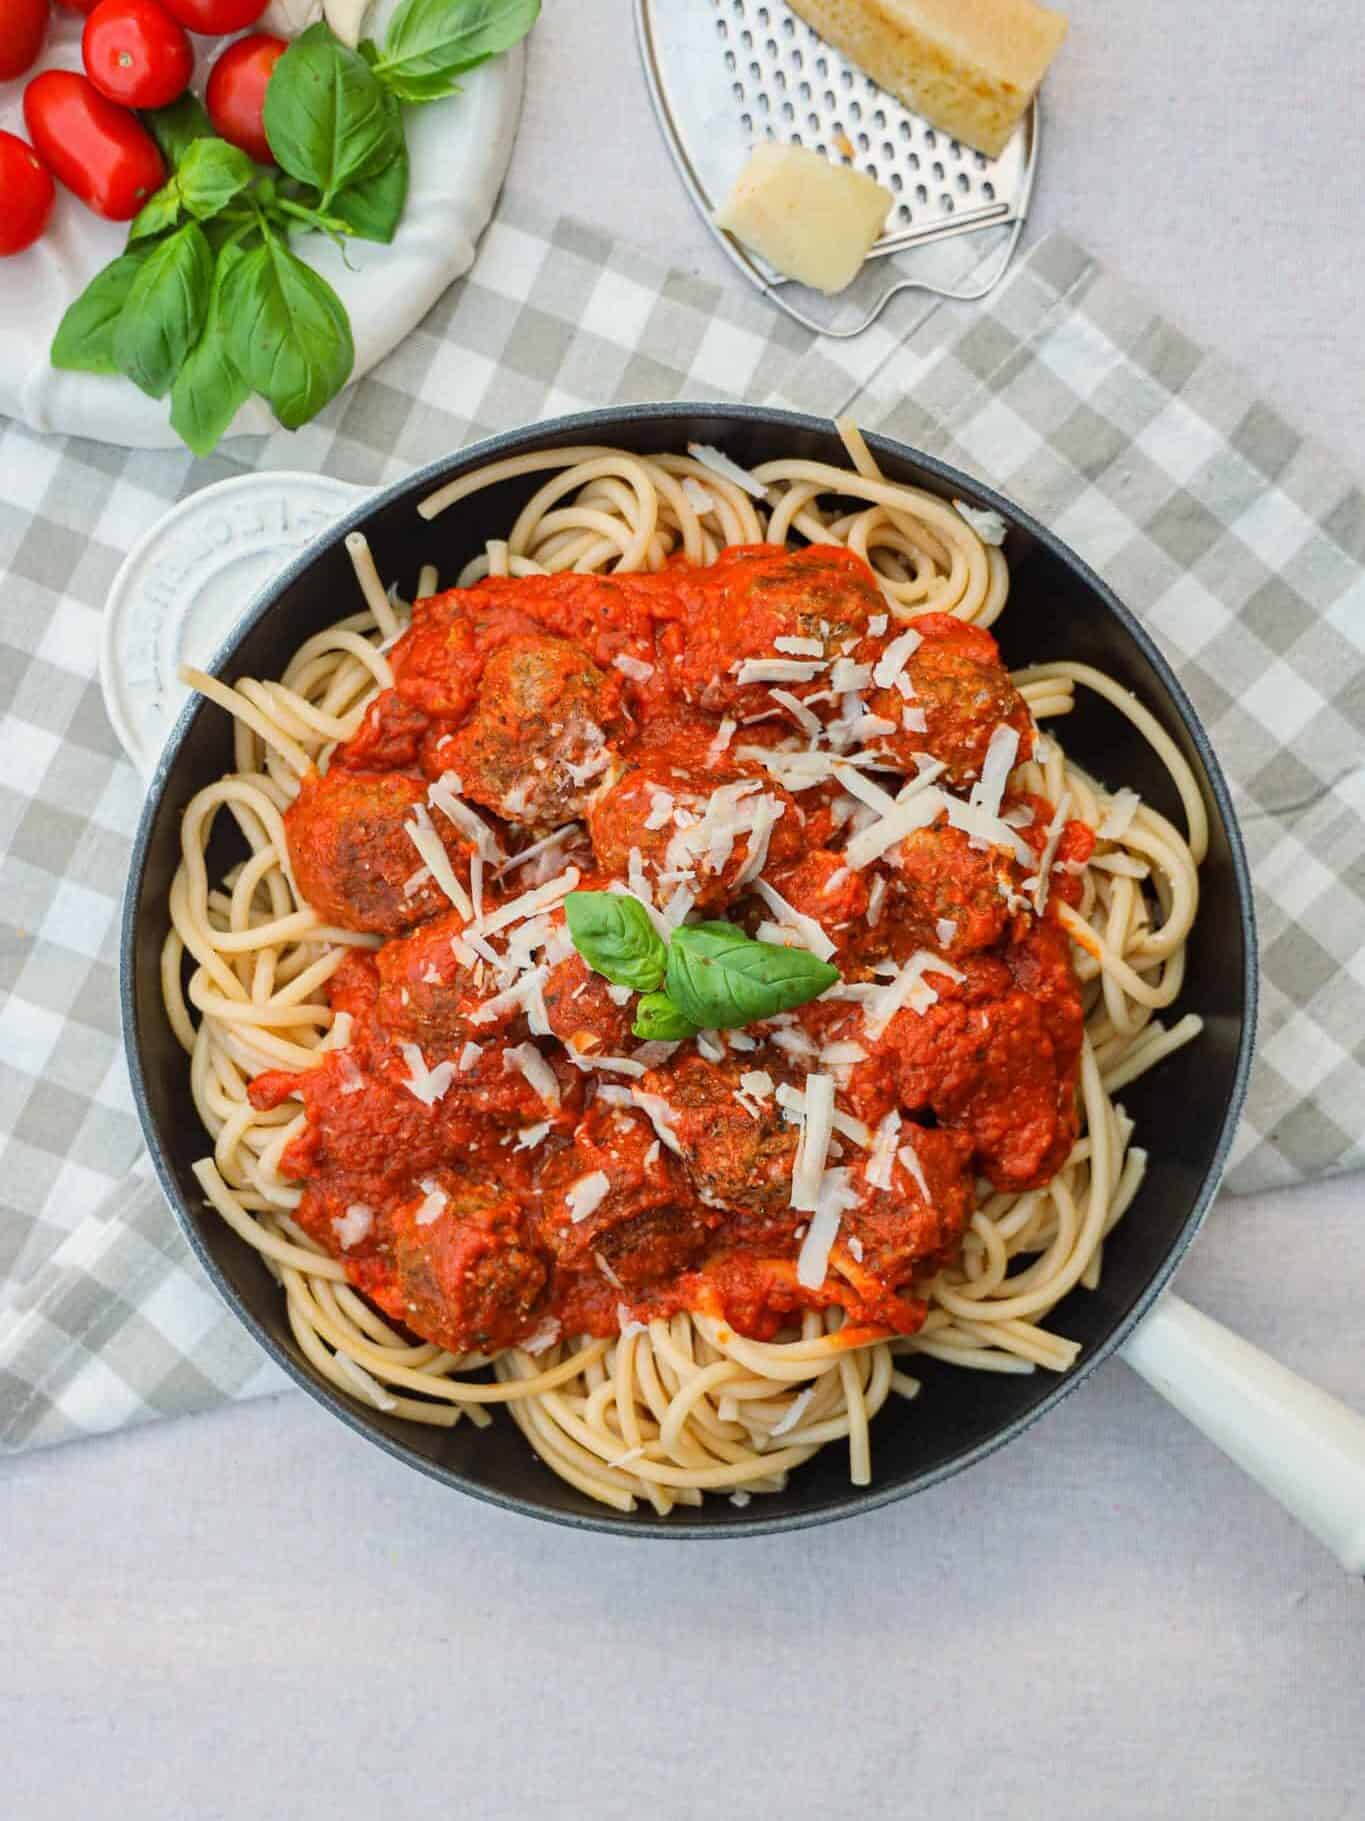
(725,73)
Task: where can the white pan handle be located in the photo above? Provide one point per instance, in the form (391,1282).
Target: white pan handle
(1304,1447)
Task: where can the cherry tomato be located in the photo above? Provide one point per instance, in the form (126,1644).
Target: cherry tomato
(26,195)
(23,26)
(94,147)
(235,95)
(216,17)
(136,53)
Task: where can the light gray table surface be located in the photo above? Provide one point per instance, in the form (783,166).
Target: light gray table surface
(252,1614)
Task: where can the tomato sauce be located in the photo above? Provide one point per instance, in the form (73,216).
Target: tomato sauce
(492,1154)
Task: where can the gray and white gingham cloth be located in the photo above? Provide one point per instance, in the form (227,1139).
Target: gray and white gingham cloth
(1240,544)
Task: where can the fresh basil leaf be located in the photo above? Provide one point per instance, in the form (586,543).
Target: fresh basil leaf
(165,309)
(373,209)
(84,342)
(657,1019)
(615,937)
(177,126)
(158,213)
(211,173)
(209,390)
(720,978)
(287,331)
(430,42)
(327,117)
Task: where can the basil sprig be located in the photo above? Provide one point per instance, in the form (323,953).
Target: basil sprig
(209,302)
(720,978)
(714,976)
(615,937)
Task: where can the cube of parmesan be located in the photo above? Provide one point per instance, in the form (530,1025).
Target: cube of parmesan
(815,221)
(970,67)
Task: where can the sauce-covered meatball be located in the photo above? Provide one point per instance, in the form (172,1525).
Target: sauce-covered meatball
(466,1262)
(352,856)
(737,1156)
(954,693)
(536,748)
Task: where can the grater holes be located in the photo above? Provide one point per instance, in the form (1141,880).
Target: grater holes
(822,149)
(855,110)
(904,129)
(764,105)
(771,47)
(763,16)
(846,79)
(981,160)
(879,119)
(946,203)
(871,171)
(730,61)
(964,182)
(829,101)
(747,122)
(988,191)
(888,150)
(913,161)
(789,27)
(796,137)
(788,111)
(930,138)
(864,143)
(822,66)
(798,61)
(737,90)
(938,171)
(897,182)
(803,90)
(813,122)
(722,29)
(903,213)
(755,72)
(921,194)
(780,78)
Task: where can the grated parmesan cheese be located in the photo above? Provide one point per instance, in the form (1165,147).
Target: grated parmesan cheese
(531,1135)
(586,1195)
(544,1337)
(805,720)
(526,1059)
(795,1410)
(719,463)
(806,927)
(817,1128)
(883,1154)
(889,666)
(434,1204)
(1049,853)
(634,668)
(429,849)
(910,1163)
(1118,816)
(354,1225)
(798,647)
(777,670)
(835,1196)
(517,910)
(988,525)
(424,1084)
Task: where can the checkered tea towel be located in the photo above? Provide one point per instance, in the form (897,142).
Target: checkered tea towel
(1240,545)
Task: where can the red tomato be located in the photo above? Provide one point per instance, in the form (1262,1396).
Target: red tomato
(26,194)
(214,17)
(23,26)
(94,147)
(136,53)
(235,95)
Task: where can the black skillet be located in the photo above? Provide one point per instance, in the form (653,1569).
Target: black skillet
(1186,1109)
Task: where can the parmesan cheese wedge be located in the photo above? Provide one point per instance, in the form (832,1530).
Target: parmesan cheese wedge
(970,67)
(815,221)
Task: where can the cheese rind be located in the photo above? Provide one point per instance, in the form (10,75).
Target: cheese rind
(971,67)
(815,221)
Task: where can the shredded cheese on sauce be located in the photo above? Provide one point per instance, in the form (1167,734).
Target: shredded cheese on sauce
(909,987)
(429,849)
(817,1128)
(835,1196)
(529,903)
(434,1204)
(634,668)
(426,1085)
(585,1196)
(526,1059)
(897,655)
(354,1225)
(777,670)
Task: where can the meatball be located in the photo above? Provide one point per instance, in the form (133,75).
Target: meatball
(751,597)
(351,853)
(945,894)
(427,996)
(902,1231)
(983,1061)
(537,747)
(438,661)
(960,694)
(822,886)
(672,804)
(582,1012)
(645,1224)
(467,1263)
(736,1156)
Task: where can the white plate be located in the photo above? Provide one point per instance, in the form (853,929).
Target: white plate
(459,150)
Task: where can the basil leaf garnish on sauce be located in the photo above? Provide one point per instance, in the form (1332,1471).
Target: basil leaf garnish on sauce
(614,935)
(658,1020)
(720,978)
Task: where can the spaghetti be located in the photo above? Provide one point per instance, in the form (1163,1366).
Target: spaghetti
(675,1407)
